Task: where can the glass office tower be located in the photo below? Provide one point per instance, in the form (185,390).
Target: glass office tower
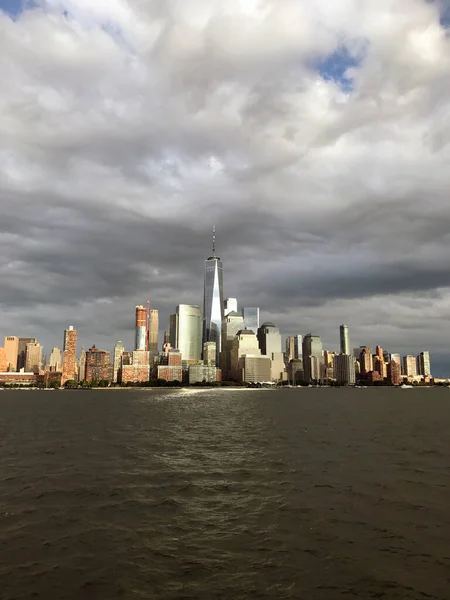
(213,301)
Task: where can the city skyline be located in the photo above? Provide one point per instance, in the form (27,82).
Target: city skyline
(319,161)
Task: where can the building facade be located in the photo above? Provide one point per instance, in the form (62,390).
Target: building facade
(12,352)
(409,366)
(141,328)
(232,323)
(209,354)
(33,357)
(204,374)
(313,360)
(119,349)
(255,368)
(213,300)
(344,339)
(424,364)
(269,339)
(98,365)
(69,368)
(55,360)
(153,333)
(230,305)
(188,331)
(344,369)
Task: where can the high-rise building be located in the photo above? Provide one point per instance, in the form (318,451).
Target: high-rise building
(344,369)
(379,366)
(313,359)
(255,368)
(394,373)
(296,373)
(173,370)
(328,360)
(33,360)
(409,366)
(153,329)
(230,305)
(424,364)
(244,342)
(119,349)
(298,351)
(55,360)
(135,368)
(379,352)
(69,370)
(98,365)
(141,327)
(22,351)
(3,361)
(12,352)
(232,323)
(365,360)
(173,331)
(213,300)
(344,339)
(209,354)
(251,318)
(397,358)
(188,331)
(290,348)
(269,339)
(81,363)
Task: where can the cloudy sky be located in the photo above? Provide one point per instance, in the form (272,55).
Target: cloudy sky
(314,134)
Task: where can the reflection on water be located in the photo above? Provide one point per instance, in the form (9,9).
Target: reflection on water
(224,494)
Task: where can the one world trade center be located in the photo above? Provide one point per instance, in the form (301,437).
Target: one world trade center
(213,300)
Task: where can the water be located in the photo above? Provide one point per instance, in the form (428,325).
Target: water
(208,495)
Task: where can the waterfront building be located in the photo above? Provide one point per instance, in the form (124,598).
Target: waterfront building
(365,360)
(153,332)
(394,373)
(213,300)
(230,305)
(98,365)
(255,368)
(12,352)
(232,323)
(296,373)
(424,364)
(313,359)
(204,373)
(141,328)
(344,339)
(396,358)
(22,352)
(173,370)
(250,315)
(81,365)
(344,369)
(135,367)
(409,366)
(119,349)
(187,322)
(245,342)
(69,368)
(3,361)
(269,339)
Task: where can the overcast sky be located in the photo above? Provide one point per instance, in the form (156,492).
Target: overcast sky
(313,133)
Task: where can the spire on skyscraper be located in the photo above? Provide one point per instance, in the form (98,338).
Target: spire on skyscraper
(214,240)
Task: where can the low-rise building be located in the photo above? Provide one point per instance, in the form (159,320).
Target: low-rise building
(200,373)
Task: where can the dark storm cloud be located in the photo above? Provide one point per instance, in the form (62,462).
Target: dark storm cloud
(137,127)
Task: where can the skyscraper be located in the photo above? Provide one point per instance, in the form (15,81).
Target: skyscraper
(82,364)
(365,360)
(118,352)
(69,355)
(313,361)
(344,369)
(251,318)
(209,354)
(22,351)
(98,365)
(409,366)
(141,327)
(188,331)
(344,338)
(290,348)
(424,364)
(153,328)
(269,339)
(12,352)
(55,361)
(213,300)
(232,323)
(33,357)
(298,351)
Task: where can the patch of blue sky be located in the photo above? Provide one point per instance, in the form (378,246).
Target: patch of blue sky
(13,8)
(335,67)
